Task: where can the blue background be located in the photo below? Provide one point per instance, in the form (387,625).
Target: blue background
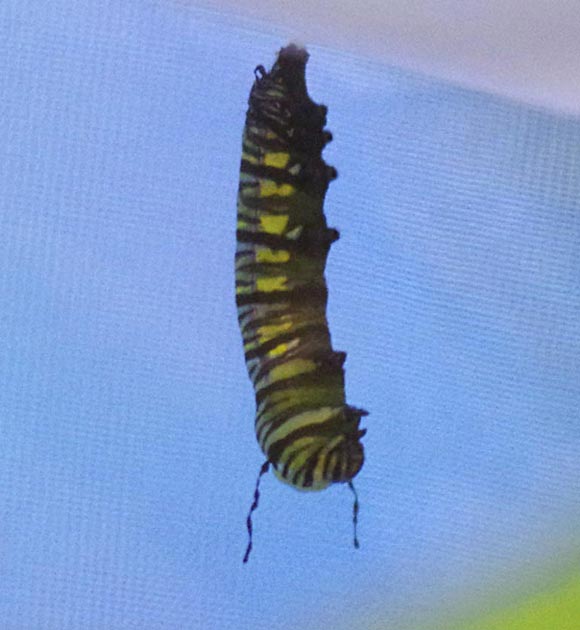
(128,456)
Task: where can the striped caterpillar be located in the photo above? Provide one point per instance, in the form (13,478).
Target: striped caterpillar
(304,426)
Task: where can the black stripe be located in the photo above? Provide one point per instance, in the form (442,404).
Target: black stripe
(313,177)
(278,175)
(270,145)
(326,472)
(268,121)
(245,253)
(286,469)
(274,241)
(251,149)
(313,241)
(322,429)
(268,269)
(262,297)
(294,455)
(310,294)
(308,469)
(256,266)
(252,370)
(309,136)
(252,219)
(274,204)
(338,469)
(244,185)
(271,206)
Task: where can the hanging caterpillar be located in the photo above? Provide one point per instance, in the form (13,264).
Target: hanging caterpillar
(308,433)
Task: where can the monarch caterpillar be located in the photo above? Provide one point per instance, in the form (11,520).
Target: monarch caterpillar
(308,433)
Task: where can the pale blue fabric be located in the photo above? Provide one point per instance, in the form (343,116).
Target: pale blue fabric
(128,457)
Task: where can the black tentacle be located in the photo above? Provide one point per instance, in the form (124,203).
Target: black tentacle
(263,470)
(354,515)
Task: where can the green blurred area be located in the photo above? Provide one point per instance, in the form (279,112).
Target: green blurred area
(556,608)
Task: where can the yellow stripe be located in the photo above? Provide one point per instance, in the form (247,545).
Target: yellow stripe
(312,441)
(274,224)
(266,255)
(277,160)
(291,368)
(268,134)
(251,345)
(281,349)
(311,416)
(301,460)
(250,158)
(268,188)
(269,332)
(318,473)
(318,479)
(315,487)
(278,402)
(278,283)
(332,463)
(275,352)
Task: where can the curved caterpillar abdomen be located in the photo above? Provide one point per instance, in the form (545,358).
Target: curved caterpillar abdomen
(303,424)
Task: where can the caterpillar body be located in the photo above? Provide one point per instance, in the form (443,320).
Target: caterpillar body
(304,426)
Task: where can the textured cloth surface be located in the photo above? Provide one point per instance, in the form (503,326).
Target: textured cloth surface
(128,454)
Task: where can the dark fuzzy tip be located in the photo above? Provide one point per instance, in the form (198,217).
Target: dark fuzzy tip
(293,54)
